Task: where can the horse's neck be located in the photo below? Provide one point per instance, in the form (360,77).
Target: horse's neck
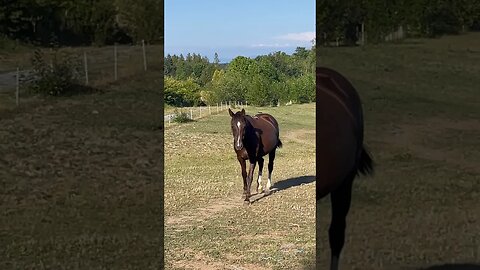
(249,121)
(249,128)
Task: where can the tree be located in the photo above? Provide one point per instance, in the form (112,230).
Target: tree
(216,61)
(181,93)
(169,69)
(143,19)
(265,80)
(300,53)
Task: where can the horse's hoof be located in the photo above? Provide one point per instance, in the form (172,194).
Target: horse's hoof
(246,202)
(259,190)
(267,191)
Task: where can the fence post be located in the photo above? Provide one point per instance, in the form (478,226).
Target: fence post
(86,67)
(144,55)
(115,57)
(18,86)
(51,55)
(191,113)
(200,107)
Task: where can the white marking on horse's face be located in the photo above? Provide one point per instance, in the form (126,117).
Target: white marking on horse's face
(238,138)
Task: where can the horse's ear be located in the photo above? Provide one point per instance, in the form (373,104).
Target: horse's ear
(243,111)
(230,112)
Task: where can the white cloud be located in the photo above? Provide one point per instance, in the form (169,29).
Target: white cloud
(275,45)
(303,36)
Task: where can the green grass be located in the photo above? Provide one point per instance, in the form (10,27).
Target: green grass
(206,223)
(80,180)
(420,99)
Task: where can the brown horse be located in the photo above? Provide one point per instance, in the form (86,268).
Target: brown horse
(253,138)
(341,154)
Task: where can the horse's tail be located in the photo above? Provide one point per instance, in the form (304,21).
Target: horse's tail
(279,143)
(365,165)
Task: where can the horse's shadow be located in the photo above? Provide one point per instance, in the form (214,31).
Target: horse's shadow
(283,185)
(464,266)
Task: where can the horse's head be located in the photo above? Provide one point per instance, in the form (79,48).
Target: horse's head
(238,124)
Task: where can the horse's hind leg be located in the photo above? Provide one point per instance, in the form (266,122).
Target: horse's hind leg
(340,199)
(271,158)
(259,180)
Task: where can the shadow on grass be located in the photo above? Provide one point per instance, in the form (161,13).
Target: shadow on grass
(283,185)
(292,182)
(465,266)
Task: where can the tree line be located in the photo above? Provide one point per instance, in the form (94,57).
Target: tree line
(87,22)
(264,80)
(419,18)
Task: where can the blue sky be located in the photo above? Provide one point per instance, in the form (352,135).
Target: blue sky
(238,27)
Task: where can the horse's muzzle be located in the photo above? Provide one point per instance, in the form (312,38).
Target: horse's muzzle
(238,148)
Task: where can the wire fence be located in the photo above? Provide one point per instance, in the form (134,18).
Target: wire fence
(198,112)
(99,66)
(362,35)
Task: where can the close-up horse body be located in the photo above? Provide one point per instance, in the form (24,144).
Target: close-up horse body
(341,153)
(253,138)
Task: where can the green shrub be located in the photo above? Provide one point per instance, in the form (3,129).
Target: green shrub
(59,77)
(181,117)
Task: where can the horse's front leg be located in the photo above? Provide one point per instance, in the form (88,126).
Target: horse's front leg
(259,179)
(249,181)
(243,164)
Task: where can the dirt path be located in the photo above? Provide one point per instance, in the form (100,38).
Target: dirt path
(203,213)
(203,262)
(412,136)
(299,136)
(8,80)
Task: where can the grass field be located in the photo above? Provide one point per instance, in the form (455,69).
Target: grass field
(206,224)
(80,180)
(422,208)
